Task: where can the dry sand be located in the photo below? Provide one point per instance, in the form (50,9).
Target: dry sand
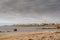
(52,35)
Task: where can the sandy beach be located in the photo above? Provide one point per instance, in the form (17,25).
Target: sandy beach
(47,35)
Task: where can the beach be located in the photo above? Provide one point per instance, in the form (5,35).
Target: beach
(46,35)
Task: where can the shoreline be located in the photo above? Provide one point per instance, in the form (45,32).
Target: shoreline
(30,35)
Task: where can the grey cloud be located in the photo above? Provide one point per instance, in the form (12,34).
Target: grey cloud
(35,9)
(27,6)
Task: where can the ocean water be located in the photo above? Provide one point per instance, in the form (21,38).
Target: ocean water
(26,29)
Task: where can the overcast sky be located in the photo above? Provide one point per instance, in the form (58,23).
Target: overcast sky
(29,11)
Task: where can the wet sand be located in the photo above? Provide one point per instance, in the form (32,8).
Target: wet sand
(46,35)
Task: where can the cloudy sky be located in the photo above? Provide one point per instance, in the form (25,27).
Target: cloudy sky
(29,11)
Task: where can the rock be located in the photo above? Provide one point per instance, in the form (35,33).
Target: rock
(15,29)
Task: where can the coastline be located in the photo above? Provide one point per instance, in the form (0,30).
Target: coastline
(46,35)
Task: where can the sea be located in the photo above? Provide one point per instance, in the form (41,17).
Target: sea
(27,29)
